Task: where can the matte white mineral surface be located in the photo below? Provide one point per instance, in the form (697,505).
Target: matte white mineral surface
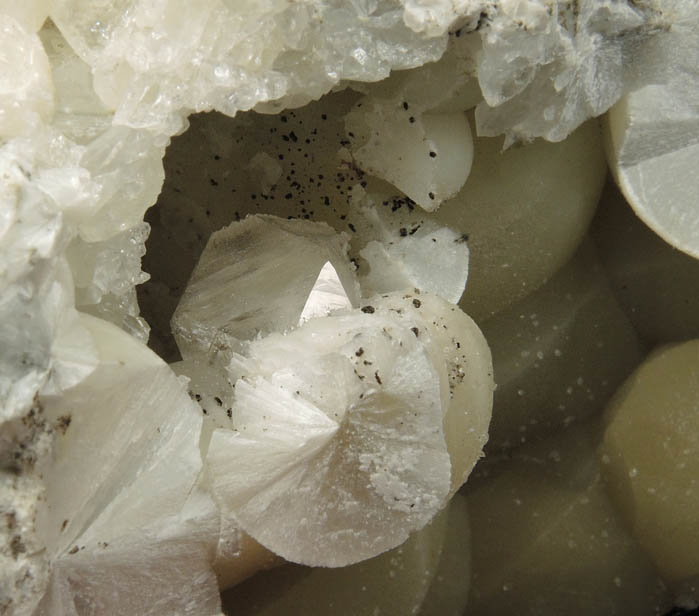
(336,448)
(407,248)
(111,532)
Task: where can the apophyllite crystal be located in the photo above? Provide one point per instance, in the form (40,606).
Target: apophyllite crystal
(319,240)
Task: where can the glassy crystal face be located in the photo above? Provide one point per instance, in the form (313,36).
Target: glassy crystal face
(154,59)
(326,295)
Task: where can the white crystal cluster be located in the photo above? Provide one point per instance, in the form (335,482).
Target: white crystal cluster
(91,94)
(156,61)
(408,249)
(551,65)
(248,280)
(338,426)
(332,470)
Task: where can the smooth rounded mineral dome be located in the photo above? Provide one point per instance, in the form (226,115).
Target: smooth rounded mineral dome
(448,594)
(524,211)
(395,582)
(651,132)
(650,456)
(457,344)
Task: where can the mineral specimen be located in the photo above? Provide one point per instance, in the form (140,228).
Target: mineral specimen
(426,156)
(254,277)
(650,457)
(339,447)
(524,212)
(125,489)
(559,353)
(399,580)
(406,249)
(544,530)
(657,284)
(652,131)
(103,524)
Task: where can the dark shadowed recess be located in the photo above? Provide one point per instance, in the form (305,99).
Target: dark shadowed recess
(222,169)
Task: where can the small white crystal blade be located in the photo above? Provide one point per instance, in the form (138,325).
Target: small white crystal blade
(327,295)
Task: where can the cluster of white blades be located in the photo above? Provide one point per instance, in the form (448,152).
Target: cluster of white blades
(254,277)
(134,519)
(90,420)
(326,444)
(335,450)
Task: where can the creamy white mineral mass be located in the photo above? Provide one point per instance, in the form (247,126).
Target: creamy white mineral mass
(406,249)
(120,477)
(397,581)
(89,100)
(25,85)
(352,430)
(426,156)
(339,455)
(152,60)
(548,66)
(77,180)
(331,437)
(254,277)
(653,131)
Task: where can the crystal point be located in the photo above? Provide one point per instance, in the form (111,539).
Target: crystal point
(327,295)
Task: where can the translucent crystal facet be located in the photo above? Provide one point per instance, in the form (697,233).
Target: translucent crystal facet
(157,58)
(255,277)
(327,295)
